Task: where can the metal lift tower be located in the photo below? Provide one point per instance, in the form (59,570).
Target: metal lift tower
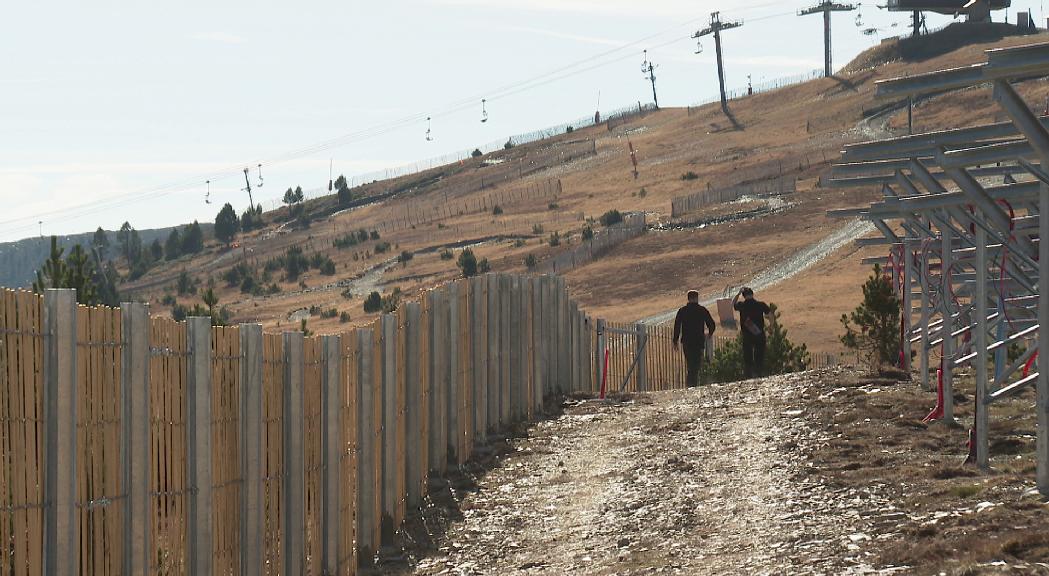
(715,28)
(826,7)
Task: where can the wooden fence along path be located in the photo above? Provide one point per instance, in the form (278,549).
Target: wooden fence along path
(135,445)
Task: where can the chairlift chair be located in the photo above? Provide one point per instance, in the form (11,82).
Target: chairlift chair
(260,176)
(207,195)
(699,47)
(484,111)
(429,138)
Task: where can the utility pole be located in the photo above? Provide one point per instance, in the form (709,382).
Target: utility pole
(247,181)
(647,67)
(715,28)
(827,6)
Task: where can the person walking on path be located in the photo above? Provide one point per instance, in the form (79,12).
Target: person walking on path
(752,324)
(689,326)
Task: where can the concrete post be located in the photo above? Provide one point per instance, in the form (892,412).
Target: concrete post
(134,438)
(599,354)
(61,531)
(438,381)
(516,364)
(479,354)
(367,463)
(199,521)
(453,441)
(980,344)
(415,467)
(252,524)
(391,421)
(504,349)
(332,446)
(562,336)
(537,344)
(494,364)
(293,512)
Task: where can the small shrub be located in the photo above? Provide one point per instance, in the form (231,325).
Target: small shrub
(382,247)
(391,301)
(519,243)
(483,267)
(643,192)
(588,232)
(551,206)
(497,210)
(374,235)
(569,130)
(273,289)
(690,175)
(405,257)
(467,263)
(476,153)
(446,254)
(169,300)
(329,313)
(537,228)
(347,294)
(344,317)
(531,262)
(328,267)
(555,239)
(509,144)
(373,303)
(611,217)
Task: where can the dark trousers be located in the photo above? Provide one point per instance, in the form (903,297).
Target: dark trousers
(694,362)
(753,356)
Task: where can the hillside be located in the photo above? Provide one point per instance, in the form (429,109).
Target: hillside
(560,184)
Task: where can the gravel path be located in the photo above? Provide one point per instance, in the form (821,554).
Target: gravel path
(714,480)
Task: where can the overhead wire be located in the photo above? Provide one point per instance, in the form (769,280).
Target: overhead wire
(233,171)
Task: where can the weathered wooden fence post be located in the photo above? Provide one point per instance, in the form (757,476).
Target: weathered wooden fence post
(251,470)
(599,354)
(292,512)
(452,416)
(332,446)
(538,368)
(516,385)
(134,438)
(504,349)
(61,531)
(199,521)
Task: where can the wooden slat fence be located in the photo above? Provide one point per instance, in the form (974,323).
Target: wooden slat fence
(316,448)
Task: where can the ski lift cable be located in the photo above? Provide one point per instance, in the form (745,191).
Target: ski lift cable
(505,91)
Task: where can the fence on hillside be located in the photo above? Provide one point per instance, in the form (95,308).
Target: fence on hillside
(759,88)
(138,445)
(633,225)
(681,205)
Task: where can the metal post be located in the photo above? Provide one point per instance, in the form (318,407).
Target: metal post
(980,343)
(599,354)
(332,448)
(828,67)
(134,438)
(537,344)
(367,543)
(294,525)
(908,281)
(251,470)
(1042,444)
(199,521)
(415,468)
(946,261)
(642,371)
(61,531)
(562,336)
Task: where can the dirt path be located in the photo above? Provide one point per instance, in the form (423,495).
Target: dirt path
(706,481)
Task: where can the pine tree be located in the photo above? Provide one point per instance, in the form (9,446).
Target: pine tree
(173,245)
(467,263)
(53,273)
(877,322)
(226,224)
(781,355)
(101,242)
(192,238)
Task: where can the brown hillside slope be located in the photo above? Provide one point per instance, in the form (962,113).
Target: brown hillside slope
(794,131)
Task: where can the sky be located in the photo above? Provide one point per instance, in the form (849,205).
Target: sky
(114,111)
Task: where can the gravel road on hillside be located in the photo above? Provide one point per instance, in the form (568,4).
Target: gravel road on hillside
(714,480)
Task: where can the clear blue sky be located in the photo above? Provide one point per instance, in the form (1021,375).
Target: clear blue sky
(139,103)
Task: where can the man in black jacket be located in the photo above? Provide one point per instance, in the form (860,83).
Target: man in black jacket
(688,329)
(752,324)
